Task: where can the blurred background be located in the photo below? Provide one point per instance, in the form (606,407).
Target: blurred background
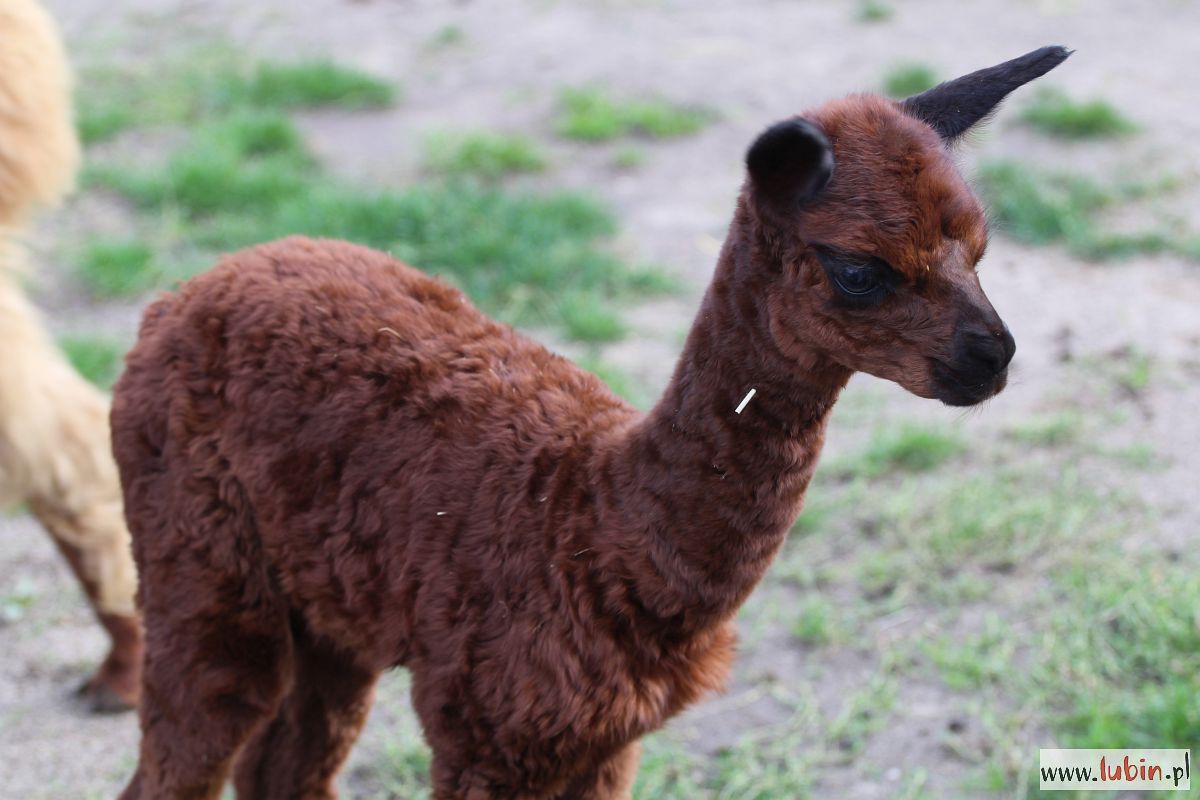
(962,588)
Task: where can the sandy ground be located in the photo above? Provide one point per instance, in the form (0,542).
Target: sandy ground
(756,62)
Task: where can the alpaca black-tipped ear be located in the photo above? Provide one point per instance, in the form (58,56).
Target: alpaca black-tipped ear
(951,108)
(790,162)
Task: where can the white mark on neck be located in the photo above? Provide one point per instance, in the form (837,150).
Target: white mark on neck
(745,400)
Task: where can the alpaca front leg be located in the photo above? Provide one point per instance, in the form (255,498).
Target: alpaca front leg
(611,779)
(298,754)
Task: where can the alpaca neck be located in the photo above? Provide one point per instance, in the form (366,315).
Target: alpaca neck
(711,493)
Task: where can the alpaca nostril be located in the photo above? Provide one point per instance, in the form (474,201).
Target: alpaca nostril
(1008,343)
(1002,337)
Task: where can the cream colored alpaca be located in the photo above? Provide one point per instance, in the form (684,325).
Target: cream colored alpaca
(54,442)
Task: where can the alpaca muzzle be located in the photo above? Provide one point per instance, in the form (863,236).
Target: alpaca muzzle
(979,368)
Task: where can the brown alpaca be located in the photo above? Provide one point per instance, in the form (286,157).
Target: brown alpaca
(55,453)
(334,465)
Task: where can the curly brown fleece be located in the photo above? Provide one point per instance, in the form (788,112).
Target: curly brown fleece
(333,464)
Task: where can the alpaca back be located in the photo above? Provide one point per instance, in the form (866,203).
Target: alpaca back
(39,151)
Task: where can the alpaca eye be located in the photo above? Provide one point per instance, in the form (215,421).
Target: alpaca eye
(856,279)
(859,279)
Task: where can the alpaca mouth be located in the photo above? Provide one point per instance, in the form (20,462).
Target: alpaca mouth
(966,387)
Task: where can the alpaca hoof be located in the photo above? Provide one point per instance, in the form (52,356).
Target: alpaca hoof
(99,697)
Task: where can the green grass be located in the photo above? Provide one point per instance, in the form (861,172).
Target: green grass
(616,379)
(1058,429)
(1140,455)
(531,258)
(98,124)
(15,602)
(1085,638)
(515,254)
(628,158)
(816,514)
(1041,208)
(879,574)
(593,115)
(244,175)
(874,11)
(246,162)
(586,321)
(111,100)
(903,80)
(778,760)
(763,767)
(400,759)
(213,83)
(864,711)
(815,620)
(995,521)
(1126,666)
(1061,208)
(96,358)
(976,660)
(482,155)
(448,36)
(316,83)
(118,267)
(1054,113)
(998,526)
(1072,635)
(1134,371)
(667,771)
(909,447)
(403,769)
(257,134)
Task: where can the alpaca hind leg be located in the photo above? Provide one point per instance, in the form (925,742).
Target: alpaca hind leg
(208,682)
(611,779)
(299,753)
(218,657)
(98,564)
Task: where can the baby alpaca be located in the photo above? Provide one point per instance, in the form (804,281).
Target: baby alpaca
(333,465)
(55,452)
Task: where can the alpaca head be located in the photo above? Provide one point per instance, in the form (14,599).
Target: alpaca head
(874,237)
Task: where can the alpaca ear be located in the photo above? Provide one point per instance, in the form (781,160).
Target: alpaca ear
(951,108)
(790,162)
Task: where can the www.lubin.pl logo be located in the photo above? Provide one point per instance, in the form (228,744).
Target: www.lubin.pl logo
(1105,770)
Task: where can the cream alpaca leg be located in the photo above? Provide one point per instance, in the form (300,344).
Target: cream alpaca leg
(55,455)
